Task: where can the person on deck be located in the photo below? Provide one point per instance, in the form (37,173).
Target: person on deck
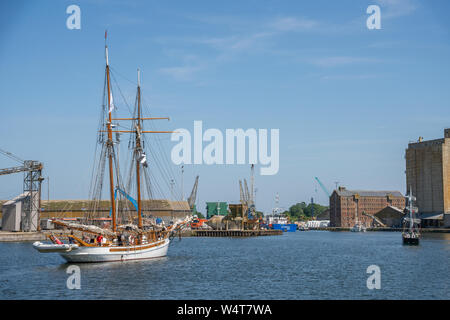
(99,240)
(70,238)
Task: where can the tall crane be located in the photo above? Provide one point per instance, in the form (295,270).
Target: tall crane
(323,187)
(31,185)
(375,219)
(241,193)
(252,185)
(252,209)
(247,196)
(193,196)
(246,193)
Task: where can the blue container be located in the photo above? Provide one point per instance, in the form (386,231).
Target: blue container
(291,227)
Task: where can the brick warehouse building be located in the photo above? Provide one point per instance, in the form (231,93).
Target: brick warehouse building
(428,175)
(345,203)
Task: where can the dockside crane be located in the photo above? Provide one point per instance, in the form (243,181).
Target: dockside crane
(375,219)
(323,187)
(247,197)
(31,185)
(246,193)
(193,196)
(241,193)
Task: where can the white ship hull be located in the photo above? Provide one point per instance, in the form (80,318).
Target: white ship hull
(110,254)
(358,228)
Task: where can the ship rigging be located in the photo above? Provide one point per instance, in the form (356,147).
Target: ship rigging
(145,240)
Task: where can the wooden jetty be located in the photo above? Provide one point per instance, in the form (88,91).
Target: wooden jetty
(235,233)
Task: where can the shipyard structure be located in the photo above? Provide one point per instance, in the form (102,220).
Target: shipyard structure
(80,211)
(428,177)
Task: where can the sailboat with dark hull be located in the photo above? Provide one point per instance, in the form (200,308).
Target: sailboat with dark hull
(126,241)
(411,225)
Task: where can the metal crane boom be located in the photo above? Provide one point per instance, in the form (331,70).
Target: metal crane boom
(28,166)
(246,193)
(374,218)
(252,185)
(323,187)
(11,156)
(193,196)
(241,191)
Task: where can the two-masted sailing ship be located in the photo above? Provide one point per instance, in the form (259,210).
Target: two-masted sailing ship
(411,225)
(126,241)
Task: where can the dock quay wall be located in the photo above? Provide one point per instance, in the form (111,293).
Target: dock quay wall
(235,233)
(424,230)
(21,236)
(62,234)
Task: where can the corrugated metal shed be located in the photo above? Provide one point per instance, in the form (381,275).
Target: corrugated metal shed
(216,208)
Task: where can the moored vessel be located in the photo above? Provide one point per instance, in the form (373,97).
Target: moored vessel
(358,228)
(278,220)
(411,225)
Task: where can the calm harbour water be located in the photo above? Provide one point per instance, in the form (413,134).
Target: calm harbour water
(300,265)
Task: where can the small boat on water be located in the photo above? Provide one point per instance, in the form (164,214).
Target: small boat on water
(46,247)
(411,225)
(303,228)
(125,241)
(358,228)
(278,220)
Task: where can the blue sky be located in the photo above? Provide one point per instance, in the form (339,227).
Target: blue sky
(347,100)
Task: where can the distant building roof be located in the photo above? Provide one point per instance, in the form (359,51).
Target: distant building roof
(341,191)
(425,144)
(104,205)
(432,216)
(21,197)
(389,212)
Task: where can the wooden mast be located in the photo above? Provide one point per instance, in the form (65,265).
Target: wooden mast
(110,143)
(138,154)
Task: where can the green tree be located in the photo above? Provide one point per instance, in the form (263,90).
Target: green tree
(314,209)
(301,211)
(199,215)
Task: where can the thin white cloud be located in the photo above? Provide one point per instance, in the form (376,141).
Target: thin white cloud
(250,41)
(257,37)
(183,73)
(286,24)
(341,60)
(397,8)
(350,77)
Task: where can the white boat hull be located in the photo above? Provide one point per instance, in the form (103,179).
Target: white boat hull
(358,228)
(110,254)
